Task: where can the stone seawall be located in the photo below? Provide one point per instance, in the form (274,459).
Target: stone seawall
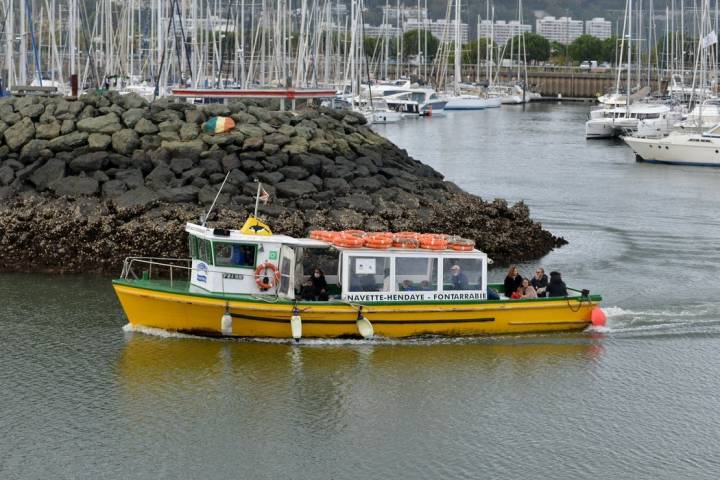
(85,183)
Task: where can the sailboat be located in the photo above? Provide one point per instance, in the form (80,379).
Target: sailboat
(701,148)
(459,100)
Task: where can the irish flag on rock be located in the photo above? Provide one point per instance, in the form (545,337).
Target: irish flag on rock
(219,125)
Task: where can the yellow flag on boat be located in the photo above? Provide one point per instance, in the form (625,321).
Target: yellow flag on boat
(253,226)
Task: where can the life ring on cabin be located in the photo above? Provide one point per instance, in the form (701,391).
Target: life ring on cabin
(354,233)
(378,241)
(405,242)
(348,241)
(262,280)
(461,244)
(433,242)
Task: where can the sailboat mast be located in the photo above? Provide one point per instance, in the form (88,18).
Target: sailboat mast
(457,47)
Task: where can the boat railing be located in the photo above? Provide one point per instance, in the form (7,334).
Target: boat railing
(160,268)
(161,265)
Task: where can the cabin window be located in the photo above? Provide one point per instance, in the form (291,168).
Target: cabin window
(204,250)
(462,273)
(236,255)
(416,274)
(192,246)
(370,274)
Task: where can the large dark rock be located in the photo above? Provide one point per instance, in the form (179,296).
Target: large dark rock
(132,178)
(66,143)
(75,187)
(160,178)
(138,197)
(294,188)
(89,162)
(186,194)
(49,173)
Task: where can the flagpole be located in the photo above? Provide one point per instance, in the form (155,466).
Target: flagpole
(205,217)
(257,199)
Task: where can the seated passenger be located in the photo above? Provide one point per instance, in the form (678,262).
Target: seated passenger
(458,279)
(512,281)
(425,286)
(540,282)
(556,287)
(319,285)
(306,292)
(527,290)
(407,286)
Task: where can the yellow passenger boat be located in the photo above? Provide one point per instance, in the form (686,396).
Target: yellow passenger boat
(247,283)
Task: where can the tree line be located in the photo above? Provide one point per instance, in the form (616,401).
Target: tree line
(538,49)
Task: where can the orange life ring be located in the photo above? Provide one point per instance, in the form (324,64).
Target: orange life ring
(260,277)
(354,233)
(433,243)
(378,241)
(461,244)
(405,242)
(348,241)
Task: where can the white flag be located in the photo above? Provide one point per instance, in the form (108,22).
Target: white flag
(710,39)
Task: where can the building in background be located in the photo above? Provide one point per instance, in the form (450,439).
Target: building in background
(598,27)
(441,29)
(380,31)
(562,30)
(502,31)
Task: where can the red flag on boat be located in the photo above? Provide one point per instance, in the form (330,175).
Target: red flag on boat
(263,196)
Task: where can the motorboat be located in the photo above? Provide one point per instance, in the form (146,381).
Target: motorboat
(617,121)
(249,283)
(679,148)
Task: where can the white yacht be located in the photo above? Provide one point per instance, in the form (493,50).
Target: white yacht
(417,101)
(679,148)
(613,122)
(508,94)
(708,111)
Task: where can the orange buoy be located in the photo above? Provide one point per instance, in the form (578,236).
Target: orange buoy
(597,317)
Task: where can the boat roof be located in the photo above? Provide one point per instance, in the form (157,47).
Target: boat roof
(223,235)
(236,235)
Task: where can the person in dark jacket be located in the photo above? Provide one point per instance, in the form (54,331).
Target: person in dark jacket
(319,285)
(556,287)
(540,282)
(513,280)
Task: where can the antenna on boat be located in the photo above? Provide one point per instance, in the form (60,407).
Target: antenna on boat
(203,218)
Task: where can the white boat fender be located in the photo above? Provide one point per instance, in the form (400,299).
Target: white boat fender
(364,326)
(296,324)
(226,322)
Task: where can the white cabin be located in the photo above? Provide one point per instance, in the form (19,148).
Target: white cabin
(227,261)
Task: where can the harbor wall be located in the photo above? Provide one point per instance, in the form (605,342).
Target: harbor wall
(85,183)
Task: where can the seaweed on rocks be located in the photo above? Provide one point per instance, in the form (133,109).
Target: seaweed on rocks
(85,183)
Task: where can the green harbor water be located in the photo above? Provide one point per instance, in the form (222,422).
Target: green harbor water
(82,397)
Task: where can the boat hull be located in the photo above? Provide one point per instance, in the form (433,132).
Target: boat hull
(253,317)
(677,153)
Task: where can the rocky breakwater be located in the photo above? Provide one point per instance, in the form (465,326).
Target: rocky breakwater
(85,183)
